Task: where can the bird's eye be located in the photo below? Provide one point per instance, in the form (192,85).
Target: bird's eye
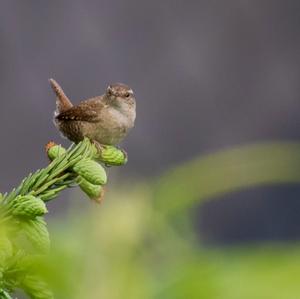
(127,94)
(109,91)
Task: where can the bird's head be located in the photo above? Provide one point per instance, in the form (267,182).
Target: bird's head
(120,94)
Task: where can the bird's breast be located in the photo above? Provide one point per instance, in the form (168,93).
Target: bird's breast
(113,126)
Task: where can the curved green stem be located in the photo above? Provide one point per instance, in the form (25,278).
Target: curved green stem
(227,171)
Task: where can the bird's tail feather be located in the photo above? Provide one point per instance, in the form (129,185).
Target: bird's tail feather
(62,101)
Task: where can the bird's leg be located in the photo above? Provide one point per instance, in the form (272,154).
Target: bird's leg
(110,155)
(100,147)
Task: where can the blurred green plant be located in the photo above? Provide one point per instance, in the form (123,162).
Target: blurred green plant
(23,233)
(227,171)
(141,243)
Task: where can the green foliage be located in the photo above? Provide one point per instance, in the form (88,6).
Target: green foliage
(91,171)
(119,249)
(28,206)
(141,244)
(24,236)
(112,156)
(230,170)
(93,191)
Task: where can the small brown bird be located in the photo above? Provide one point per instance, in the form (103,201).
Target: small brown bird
(105,119)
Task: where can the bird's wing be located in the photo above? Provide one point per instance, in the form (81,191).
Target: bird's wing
(85,111)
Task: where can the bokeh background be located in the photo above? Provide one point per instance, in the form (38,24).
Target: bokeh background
(209,76)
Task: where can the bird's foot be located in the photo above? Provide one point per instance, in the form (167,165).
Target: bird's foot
(100,147)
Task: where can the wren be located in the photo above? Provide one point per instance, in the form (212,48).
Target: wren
(104,119)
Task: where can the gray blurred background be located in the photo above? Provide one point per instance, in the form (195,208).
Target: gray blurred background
(208,75)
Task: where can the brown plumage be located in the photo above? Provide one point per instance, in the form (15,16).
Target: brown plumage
(105,119)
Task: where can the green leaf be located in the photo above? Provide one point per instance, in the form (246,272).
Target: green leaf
(4,295)
(28,206)
(36,288)
(111,155)
(36,233)
(94,192)
(91,171)
(55,151)
(6,249)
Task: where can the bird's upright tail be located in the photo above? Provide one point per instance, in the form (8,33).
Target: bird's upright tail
(62,101)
